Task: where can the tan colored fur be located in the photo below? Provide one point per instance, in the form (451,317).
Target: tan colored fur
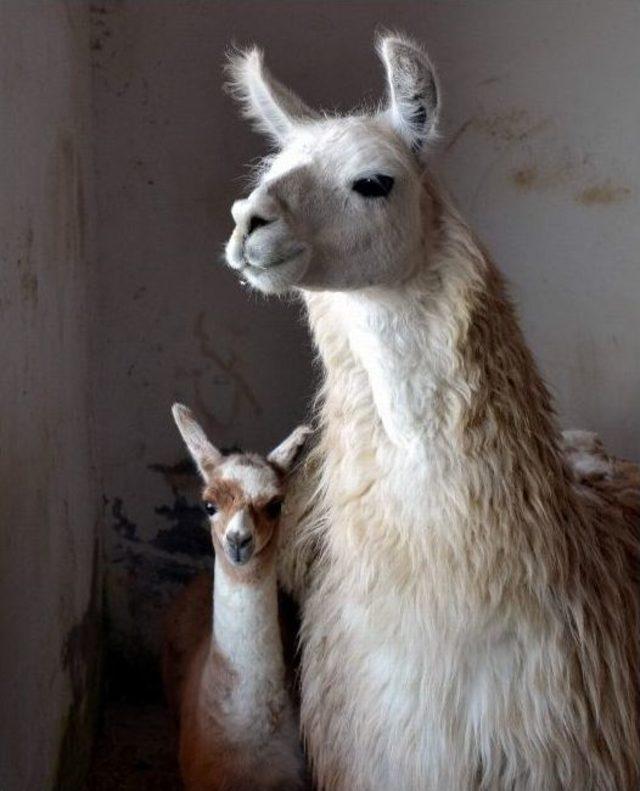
(223,661)
(469,579)
(502,558)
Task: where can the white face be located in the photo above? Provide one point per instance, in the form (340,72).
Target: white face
(242,496)
(243,492)
(338,207)
(322,232)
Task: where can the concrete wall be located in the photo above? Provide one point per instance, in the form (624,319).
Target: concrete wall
(49,550)
(540,149)
(542,113)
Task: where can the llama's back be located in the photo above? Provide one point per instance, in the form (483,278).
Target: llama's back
(615,481)
(610,489)
(187,626)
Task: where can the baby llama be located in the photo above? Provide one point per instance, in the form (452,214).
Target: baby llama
(223,663)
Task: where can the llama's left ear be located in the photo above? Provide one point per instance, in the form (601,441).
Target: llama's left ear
(414,105)
(205,455)
(274,109)
(285,454)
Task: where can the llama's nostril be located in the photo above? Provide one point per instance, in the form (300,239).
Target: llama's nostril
(256,222)
(240,547)
(241,541)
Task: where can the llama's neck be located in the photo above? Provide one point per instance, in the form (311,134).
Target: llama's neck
(430,388)
(247,633)
(439,351)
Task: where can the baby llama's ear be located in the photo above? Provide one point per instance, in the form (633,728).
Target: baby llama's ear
(285,454)
(205,455)
(274,109)
(414,104)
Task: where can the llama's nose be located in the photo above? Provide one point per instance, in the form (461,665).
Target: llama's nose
(256,221)
(240,543)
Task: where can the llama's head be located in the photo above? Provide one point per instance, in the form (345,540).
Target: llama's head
(243,492)
(339,205)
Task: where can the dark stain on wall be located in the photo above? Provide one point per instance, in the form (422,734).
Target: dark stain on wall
(187,534)
(28,277)
(513,126)
(122,524)
(603,194)
(150,564)
(68,204)
(181,475)
(82,660)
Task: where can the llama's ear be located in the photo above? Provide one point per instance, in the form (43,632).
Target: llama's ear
(414,104)
(205,455)
(274,109)
(285,454)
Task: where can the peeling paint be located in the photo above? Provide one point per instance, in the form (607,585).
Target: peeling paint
(179,476)
(188,535)
(122,524)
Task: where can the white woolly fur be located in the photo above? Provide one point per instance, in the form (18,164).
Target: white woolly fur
(470,601)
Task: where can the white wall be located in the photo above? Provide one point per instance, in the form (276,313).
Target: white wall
(49,552)
(542,114)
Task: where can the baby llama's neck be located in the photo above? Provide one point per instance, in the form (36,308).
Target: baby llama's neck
(247,632)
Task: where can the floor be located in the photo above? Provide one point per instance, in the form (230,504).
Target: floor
(135,750)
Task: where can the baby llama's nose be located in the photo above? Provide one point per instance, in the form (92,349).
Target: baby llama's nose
(240,544)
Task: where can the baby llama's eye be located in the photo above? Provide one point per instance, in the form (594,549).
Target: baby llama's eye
(273,508)
(377,186)
(210,508)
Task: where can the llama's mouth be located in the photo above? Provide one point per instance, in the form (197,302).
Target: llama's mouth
(277,275)
(273,263)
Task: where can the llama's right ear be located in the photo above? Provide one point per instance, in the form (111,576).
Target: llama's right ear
(414,96)
(205,455)
(286,452)
(274,109)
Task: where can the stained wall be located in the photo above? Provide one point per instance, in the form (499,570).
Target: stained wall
(50,550)
(539,148)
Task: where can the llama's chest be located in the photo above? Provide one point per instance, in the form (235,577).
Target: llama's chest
(394,697)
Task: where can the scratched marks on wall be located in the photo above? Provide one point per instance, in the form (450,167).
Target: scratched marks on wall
(222,392)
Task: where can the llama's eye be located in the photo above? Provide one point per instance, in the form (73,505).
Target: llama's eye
(210,508)
(273,508)
(377,186)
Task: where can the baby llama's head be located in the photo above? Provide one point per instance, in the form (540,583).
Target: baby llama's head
(242,494)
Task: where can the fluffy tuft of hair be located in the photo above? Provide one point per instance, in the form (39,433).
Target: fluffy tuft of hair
(414,89)
(273,109)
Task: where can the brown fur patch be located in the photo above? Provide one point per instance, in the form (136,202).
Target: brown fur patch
(225,494)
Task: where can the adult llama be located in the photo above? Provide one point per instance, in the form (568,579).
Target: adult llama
(468,579)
